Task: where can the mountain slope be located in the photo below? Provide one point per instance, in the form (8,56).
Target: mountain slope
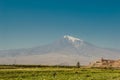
(67,50)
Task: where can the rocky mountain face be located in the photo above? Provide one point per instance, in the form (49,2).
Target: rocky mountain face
(66,51)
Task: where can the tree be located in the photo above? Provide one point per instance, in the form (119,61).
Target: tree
(78,64)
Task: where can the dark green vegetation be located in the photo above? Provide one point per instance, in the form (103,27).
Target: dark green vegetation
(32,72)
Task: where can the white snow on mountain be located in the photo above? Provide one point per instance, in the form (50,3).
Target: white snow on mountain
(73,39)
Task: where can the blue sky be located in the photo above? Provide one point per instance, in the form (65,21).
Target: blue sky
(29,23)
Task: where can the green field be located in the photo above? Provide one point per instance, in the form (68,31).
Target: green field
(57,73)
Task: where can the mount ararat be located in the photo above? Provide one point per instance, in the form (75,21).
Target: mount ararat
(66,51)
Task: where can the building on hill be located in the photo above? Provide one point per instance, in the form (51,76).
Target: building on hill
(105,63)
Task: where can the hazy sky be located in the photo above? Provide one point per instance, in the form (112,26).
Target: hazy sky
(29,23)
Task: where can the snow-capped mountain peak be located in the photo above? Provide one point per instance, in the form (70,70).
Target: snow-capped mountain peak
(67,50)
(73,39)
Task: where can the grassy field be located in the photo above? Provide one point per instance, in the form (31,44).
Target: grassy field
(57,73)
